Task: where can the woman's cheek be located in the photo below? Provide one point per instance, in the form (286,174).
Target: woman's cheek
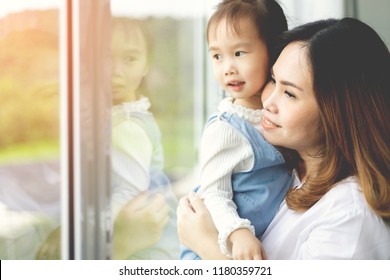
(267,91)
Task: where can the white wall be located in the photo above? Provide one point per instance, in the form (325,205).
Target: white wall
(301,11)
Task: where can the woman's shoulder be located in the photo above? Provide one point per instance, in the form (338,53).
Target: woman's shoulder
(350,185)
(351,212)
(346,198)
(346,192)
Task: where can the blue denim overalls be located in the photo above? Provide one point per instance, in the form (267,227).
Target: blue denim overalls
(258,192)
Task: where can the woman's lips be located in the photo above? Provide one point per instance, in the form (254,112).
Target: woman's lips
(267,123)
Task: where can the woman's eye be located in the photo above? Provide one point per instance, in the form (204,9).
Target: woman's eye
(239,53)
(289,95)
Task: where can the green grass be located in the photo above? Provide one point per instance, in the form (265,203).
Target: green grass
(178,143)
(30,151)
(177,140)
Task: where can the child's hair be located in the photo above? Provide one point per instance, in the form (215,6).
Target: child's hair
(266,15)
(128,26)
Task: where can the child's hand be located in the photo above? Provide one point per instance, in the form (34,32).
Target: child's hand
(140,224)
(245,246)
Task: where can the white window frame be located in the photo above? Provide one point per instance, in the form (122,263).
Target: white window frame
(85,130)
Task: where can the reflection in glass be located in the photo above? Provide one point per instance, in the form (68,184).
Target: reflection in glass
(153,127)
(29,129)
(143,202)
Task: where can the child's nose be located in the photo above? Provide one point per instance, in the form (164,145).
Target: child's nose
(230,68)
(116,66)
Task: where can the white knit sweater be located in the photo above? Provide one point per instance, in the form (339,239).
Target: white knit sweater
(225,151)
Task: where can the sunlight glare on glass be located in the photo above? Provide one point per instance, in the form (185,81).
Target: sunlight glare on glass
(158,8)
(15,6)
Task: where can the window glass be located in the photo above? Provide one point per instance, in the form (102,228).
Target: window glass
(158,74)
(29,128)
(162,90)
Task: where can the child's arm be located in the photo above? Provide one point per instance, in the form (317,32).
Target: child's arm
(130,161)
(224,150)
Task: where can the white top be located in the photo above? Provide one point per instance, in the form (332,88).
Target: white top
(131,154)
(339,226)
(225,151)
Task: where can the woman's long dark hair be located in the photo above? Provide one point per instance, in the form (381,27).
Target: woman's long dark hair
(350,66)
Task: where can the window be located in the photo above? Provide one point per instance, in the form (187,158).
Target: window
(159,72)
(102,108)
(30,172)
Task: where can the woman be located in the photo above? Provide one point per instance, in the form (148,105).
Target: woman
(328,101)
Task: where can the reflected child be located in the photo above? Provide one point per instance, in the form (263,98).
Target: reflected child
(143,202)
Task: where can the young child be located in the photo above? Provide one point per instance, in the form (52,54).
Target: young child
(137,154)
(243,177)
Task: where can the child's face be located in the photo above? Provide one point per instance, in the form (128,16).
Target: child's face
(240,59)
(129,63)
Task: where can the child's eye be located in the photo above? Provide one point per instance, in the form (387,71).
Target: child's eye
(239,53)
(129,58)
(217,56)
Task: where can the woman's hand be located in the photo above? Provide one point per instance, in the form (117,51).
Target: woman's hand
(196,228)
(139,224)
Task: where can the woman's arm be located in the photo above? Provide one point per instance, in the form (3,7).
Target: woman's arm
(197,231)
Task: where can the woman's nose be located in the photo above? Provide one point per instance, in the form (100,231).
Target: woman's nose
(268,98)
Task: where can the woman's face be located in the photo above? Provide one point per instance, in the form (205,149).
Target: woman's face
(291,113)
